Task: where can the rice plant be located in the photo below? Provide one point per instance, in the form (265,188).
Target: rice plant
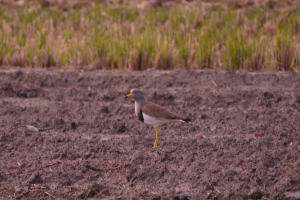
(128,37)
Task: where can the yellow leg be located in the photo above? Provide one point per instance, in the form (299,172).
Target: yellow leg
(156,140)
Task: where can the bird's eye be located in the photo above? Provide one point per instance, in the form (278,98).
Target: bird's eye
(135,92)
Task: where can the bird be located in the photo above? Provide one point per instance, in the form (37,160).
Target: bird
(153,114)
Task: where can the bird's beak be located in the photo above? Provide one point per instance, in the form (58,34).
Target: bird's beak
(128,96)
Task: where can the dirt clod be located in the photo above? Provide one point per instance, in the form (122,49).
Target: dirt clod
(74,125)
(104,109)
(35,179)
(255,193)
(295,195)
(204,116)
(121,128)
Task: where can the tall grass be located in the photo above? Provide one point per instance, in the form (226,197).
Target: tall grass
(133,38)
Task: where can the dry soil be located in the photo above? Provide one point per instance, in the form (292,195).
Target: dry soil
(99,149)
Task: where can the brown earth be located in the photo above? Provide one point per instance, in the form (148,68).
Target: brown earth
(218,156)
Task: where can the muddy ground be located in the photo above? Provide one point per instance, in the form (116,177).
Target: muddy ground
(218,156)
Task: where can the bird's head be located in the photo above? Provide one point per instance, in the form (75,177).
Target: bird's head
(136,94)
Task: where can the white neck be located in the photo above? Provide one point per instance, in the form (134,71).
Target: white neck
(136,107)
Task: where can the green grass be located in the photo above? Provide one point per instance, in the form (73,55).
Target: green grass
(130,38)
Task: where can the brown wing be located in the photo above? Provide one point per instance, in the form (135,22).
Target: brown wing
(159,112)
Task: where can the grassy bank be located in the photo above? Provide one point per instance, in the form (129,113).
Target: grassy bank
(134,38)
